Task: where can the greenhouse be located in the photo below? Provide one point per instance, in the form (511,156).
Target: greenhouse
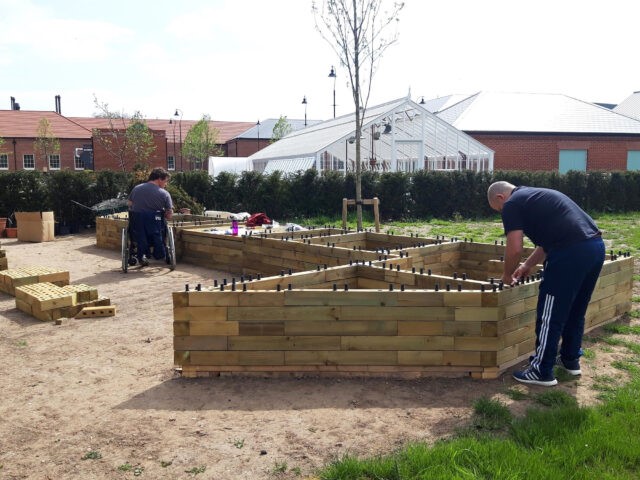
(398,136)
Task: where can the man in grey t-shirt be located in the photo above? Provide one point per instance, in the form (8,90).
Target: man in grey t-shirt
(149,205)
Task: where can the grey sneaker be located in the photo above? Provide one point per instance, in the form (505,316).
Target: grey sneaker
(144,262)
(571,366)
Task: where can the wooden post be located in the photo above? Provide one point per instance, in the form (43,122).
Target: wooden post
(376,213)
(344,213)
(369,201)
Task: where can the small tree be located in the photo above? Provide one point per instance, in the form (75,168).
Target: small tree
(111,137)
(45,143)
(281,129)
(354,29)
(201,143)
(125,138)
(139,141)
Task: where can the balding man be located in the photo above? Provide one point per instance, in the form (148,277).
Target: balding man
(569,244)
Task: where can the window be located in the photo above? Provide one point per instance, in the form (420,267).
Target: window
(78,162)
(171,163)
(54,162)
(572,160)
(633,160)
(28,162)
(4,161)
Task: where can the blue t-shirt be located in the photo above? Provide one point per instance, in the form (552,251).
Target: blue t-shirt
(149,197)
(548,217)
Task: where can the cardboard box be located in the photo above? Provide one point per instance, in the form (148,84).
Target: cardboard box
(35,226)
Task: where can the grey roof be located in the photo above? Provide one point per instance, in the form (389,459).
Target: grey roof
(535,112)
(438,104)
(630,106)
(307,142)
(265,129)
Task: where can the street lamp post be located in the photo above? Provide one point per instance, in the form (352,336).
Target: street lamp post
(179,133)
(258,125)
(171,122)
(332,74)
(304,102)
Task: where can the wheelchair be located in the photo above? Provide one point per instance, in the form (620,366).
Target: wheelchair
(129,247)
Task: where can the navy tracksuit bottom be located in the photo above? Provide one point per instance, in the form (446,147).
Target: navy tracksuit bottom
(147,231)
(569,277)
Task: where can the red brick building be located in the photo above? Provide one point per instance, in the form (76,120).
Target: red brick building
(544,131)
(80,150)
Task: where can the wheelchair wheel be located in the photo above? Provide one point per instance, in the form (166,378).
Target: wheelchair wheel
(125,249)
(170,248)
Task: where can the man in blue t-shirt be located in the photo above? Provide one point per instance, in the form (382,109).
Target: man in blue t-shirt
(569,244)
(149,205)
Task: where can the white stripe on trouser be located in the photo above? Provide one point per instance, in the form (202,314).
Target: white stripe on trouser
(544,331)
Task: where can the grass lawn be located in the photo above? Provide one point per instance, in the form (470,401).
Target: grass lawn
(557,438)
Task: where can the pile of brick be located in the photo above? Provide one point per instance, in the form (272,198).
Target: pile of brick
(45,294)
(3,259)
(17,277)
(48,302)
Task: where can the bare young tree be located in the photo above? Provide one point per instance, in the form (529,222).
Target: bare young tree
(356,30)
(125,137)
(45,143)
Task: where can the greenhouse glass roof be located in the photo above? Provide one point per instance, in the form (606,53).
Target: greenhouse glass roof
(399,135)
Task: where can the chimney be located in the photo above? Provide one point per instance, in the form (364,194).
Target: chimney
(13,103)
(58,106)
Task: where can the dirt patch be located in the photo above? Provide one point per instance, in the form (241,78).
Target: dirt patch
(107,386)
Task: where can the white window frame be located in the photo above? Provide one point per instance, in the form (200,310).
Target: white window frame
(4,161)
(78,164)
(24,161)
(51,158)
(171,163)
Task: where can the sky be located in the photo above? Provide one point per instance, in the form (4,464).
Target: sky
(250,60)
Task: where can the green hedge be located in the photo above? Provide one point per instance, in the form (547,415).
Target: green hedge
(403,196)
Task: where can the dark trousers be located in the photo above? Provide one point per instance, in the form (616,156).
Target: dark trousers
(569,277)
(147,231)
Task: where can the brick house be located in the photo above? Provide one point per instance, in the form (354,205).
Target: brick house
(79,149)
(544,131)
(18,129)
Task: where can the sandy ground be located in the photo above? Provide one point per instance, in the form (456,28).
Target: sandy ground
(106,387)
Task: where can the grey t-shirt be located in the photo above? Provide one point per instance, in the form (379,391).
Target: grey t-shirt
(149,197)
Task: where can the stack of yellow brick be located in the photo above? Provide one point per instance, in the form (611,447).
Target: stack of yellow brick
(17,277)
(47,301)
(3,259)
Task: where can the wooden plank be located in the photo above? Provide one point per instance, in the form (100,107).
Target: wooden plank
(197,357)
(204,342)
(479,314)
(294,342)
(367,343)
(416,357)
(207,328)
(422,328)
(477,343)
(340,358)
(261,328)
(181,329)
(262,314)
(323,327)
(216,314)
(348,312)
(460,358)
